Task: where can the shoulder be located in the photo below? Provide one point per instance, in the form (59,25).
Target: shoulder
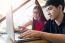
(47,26)
(64,15)
(64,18)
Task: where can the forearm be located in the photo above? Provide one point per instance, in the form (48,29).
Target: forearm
(56,38)
(24,26)
(28,23)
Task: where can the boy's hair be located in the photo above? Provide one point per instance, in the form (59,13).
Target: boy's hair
(55,3)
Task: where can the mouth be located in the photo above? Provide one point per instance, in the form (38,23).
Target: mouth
(51,17)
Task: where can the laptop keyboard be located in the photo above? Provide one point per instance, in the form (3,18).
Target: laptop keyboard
(23,39)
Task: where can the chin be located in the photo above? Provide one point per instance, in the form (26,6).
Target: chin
(52,18)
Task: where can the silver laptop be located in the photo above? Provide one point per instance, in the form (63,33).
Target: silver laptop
(10,28)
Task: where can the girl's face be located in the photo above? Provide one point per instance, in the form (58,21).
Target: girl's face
(36,14)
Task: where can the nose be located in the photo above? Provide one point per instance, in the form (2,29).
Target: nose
(49,13)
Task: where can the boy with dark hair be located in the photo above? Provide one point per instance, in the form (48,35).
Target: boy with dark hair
(55,27)
(56,24)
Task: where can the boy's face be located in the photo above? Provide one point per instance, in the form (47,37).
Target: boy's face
(53,12)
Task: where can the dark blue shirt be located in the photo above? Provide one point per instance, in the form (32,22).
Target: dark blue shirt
(52,27)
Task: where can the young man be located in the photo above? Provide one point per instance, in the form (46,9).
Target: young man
(55,27)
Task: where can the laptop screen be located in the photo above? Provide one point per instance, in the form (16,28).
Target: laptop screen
(10,28)
(9,24)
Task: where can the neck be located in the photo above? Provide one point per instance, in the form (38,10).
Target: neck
(59,19)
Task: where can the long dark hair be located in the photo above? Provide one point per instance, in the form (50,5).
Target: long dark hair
(42,17)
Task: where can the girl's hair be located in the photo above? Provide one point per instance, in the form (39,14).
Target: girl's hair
(42,17)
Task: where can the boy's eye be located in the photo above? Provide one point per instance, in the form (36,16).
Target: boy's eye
(50,8)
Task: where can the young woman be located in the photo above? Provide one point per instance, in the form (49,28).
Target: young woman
(38,19)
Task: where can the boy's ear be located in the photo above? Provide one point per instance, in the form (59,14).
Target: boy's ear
(60,7)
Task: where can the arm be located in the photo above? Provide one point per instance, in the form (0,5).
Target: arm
(27,23)
(54,38)
(23,27)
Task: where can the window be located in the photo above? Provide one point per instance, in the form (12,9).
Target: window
(22,11)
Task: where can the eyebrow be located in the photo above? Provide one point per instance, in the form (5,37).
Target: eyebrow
(43,6)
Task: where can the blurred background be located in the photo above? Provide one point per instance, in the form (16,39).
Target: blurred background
(22,11)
